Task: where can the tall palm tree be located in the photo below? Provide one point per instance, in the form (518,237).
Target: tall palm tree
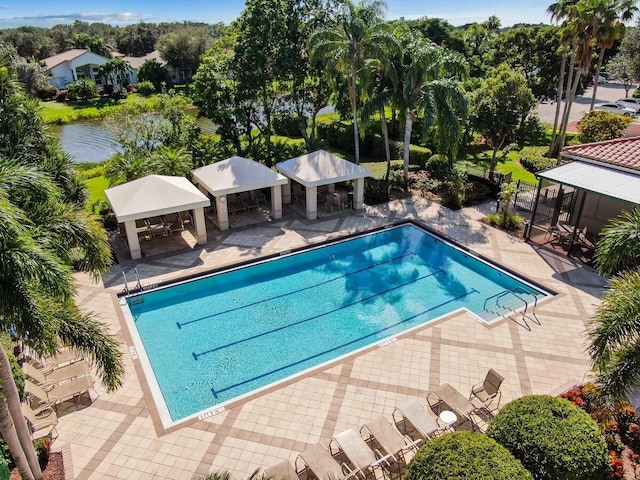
(41,231)
(358,33)
(171,161)
(614,330)
(430,85)
(612,15)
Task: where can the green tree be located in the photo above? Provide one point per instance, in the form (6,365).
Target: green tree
(625,65)
(171,161)
(552,438)
(465,456)
(84,89)
(500,107)
(94,43)
(357,34)
(599,126)
(429,85)
(151,70)
(611,28)
(138,39)
(42,232)
(183,49)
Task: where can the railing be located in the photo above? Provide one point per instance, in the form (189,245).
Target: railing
(523,306)
(138,298)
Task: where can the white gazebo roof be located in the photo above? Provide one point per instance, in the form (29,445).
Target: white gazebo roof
(236,174)
(154,195)
(321,168)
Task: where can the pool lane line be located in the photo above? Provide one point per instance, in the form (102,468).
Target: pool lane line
(216,392)
(315,317)
(247,305)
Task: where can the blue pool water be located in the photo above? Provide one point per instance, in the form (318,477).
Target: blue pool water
(219,337)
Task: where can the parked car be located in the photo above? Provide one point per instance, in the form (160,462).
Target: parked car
(615,108)
(633,103)
(600,78)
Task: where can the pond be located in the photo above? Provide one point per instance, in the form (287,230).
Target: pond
(92,141)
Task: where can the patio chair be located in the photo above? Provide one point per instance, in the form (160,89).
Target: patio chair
(484,393)
(363,460)
(174,222)
(281,471)
(159,227)
(454,401)
(251,202)
(389,438)
(317,460)
(186,219)
(422,420)
(58,393)
(42,422)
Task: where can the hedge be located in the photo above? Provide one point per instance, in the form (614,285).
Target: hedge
(552,438)
(466,456)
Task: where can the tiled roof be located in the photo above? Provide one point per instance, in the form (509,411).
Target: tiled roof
(136,62)
(51,62)
(621,152)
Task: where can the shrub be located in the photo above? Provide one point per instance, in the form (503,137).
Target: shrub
(438,167)
(464,455)
(510,222)
(417,155)
(375,191)
(43,448)
(534,159)
(598,126)
(146,88)
(531,132)
(337,135)
(62,95)
(84,89)
(552,438)
(286,124)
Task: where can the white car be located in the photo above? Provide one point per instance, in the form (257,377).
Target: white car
(615,108)
(633,103)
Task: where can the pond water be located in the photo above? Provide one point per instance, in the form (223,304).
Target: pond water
(92,141)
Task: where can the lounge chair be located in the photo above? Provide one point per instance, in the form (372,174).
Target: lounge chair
(317,460)
(281,471)
(484,393)
(42,421)
(53,376)
(422,420)
(186,219)
(388,438)
(453,400)
(56,394)
(363,460)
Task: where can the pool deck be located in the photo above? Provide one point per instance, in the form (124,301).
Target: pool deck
(119,435)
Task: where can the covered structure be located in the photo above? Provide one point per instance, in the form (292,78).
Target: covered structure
(237,175)
(593,184)
(156,195)
(322,168)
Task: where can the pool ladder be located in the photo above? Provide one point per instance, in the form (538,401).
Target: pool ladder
(138,298)
(510,303)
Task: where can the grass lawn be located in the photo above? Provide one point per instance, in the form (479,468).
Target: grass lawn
(65,112)
(478,162)
(96,187)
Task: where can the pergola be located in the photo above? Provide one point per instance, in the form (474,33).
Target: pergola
(236,175)
(156,195)
(322,168)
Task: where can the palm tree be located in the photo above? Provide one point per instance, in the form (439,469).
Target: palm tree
(358,34)
(429,85)
(41,232)
(612,15)
(171,161)
(614,332)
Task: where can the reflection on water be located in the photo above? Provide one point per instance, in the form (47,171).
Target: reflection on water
(92,141)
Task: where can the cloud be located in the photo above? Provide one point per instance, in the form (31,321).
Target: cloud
(50,20)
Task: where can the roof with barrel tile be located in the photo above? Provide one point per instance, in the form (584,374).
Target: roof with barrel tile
(621,152)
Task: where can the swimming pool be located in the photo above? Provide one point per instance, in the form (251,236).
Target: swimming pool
(208,341)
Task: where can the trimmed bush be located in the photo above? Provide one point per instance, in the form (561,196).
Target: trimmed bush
(417,155)
(534,159)
(146,88)
(464,455)
(375,191)
(438,167)
(552,438)
(599,126)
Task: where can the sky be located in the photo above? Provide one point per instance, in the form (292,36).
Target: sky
(47,13)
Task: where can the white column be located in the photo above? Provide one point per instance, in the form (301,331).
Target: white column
(223,213)
(132,239)
(201,226)
(358,193)
(286,193)
(312,203)
(276,201)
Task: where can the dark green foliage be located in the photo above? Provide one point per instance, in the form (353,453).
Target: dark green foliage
(530,132)
(375,191)
(534,159)
(83,90)
(337,135)
(598,126)
(552,438)
(286,124)
(152,71)
(438,167)
(466,456)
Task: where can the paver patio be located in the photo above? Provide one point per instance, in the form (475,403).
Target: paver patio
(120,436)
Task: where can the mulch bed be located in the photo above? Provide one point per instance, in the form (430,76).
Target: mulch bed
(53,471)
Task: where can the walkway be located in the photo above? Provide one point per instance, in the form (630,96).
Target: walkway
(119,435)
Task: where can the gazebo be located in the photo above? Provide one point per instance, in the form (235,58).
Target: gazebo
(156,195)
(236,175)
(322,168)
